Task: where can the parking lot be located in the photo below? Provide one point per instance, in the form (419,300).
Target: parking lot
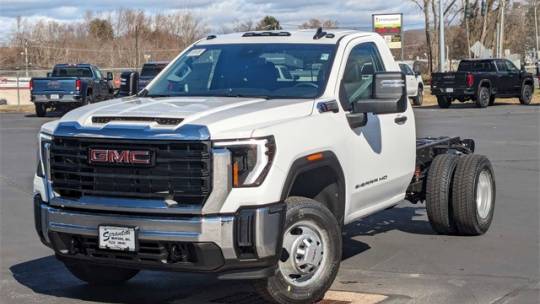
(394,254)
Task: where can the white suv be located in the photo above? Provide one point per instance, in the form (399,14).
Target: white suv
(221,164)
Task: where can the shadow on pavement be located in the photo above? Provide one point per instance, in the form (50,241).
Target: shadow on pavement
(48,276)
(471,105)
(399,218)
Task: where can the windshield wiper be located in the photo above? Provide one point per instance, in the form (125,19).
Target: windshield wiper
(266,97)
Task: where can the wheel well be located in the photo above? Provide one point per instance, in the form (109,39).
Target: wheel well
(420,86)
(485,84)
(528,81)
(89,92)
(322,181)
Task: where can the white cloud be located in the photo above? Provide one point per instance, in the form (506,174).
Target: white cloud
(216,14)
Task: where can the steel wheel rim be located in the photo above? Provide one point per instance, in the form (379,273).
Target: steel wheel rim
(484,194)
(528,92)
(304,253)
(484,95)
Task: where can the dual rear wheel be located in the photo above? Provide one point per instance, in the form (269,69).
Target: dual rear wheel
(460,194)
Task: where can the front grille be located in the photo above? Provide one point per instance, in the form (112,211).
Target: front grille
(182,170)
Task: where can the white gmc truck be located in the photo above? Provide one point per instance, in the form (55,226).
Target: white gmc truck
(245,157)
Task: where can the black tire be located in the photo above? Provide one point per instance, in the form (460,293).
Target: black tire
(277,288)
(439,193)
(419,98)
(491,100)
(483,97)
(526,94)
(443,102)
(467,215)
(100,275)
(41,109)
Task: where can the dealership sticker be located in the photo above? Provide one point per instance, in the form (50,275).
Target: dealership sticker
(196,52)
(325,56)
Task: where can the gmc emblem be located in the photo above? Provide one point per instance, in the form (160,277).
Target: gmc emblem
(126,157)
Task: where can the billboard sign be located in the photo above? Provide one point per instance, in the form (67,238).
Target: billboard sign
(390,27)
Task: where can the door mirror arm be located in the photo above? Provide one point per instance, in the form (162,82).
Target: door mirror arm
(357,120)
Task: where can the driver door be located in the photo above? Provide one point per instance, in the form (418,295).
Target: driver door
(383,151)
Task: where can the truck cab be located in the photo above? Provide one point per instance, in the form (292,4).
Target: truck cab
(223,165)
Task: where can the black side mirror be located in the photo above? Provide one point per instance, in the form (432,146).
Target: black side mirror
(389,95)
(49,74)
(109,76)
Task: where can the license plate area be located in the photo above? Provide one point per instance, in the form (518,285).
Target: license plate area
(117,238)
(449,90)
(55,96)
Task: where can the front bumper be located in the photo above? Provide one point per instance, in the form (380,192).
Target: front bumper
(238,246)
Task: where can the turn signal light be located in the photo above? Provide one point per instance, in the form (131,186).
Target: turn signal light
(78,85)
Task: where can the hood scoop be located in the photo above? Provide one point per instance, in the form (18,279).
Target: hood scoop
(159,120)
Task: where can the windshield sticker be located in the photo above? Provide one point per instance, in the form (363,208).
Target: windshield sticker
(325,56)
(195,52)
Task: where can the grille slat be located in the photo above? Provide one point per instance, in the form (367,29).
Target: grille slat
(181,171)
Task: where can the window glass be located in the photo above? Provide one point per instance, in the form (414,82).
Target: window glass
(501,66)
(152,69)
(510,66)
(475,66)
(71,72)
(406,69)
(357,83)
(271,70)
(98,73)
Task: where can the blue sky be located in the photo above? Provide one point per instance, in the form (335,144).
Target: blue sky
(215,13)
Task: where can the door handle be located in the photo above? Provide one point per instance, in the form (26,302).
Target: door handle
(400,120)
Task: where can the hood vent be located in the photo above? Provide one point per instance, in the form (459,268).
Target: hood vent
(159,120)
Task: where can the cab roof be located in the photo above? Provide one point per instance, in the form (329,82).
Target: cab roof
(310,36)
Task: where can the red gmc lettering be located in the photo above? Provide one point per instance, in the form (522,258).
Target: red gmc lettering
(119,157)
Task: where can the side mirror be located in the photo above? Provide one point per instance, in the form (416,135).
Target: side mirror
(416,69)
(109,76)
(389,95)
(49,74)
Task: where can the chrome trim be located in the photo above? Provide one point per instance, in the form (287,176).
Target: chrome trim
(135,131)
(216,229)
(221,181)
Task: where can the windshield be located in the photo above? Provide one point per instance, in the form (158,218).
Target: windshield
(151,70)
(72,72)
(248,70)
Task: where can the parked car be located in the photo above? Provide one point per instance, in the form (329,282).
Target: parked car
(415,84)
(221,166)
(70,85)
(149,71)
(482,81)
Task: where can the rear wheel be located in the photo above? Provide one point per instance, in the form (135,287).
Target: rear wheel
(100,275)
(419,98)
(443,102)
(41,109)
(310,256)
(483,98)
(439,193)
(473,195)
(526,94)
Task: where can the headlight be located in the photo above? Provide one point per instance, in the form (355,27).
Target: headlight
(43,168)
(251,159)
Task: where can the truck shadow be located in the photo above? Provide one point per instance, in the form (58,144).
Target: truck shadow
(470,105)
(409,218)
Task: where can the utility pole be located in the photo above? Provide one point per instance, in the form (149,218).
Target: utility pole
(26,57)
(501,31)
(442,55)
(536,28)
(137,46)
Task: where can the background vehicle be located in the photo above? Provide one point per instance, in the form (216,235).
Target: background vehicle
(482,80)
(415,84)
(149,71)
(222,165)
(70,85)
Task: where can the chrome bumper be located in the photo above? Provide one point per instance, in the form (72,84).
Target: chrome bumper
(262,226)
(45,98)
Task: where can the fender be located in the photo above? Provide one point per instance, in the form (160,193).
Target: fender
(488,85)
(326,159)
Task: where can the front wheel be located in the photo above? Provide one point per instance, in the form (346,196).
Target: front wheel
(100,275)
(310,256)
(41,109)
(526,94)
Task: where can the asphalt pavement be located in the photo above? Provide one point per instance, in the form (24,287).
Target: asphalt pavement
(394,253)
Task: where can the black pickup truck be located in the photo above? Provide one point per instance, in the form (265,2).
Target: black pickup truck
(70,85)
(482,80)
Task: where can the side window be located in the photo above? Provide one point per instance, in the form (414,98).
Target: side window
(98,73)
(357,82)
(406,69)
(510,66)
(501,66)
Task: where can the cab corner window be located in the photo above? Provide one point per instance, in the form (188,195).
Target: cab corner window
(357,82)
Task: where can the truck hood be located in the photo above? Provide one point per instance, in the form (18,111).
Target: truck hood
(223,117)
